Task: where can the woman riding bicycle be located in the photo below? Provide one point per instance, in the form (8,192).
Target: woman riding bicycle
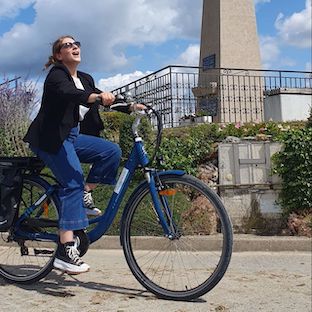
(54,137)
(190,252)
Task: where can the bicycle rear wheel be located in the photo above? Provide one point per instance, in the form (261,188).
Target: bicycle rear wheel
(23,260)
(190,264)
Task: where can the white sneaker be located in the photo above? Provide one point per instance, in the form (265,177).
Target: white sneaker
(67,259)
(89,204)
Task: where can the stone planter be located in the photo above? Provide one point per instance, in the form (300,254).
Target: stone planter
(203,119)
(185,122)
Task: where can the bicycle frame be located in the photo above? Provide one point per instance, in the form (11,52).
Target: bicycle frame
(137,158)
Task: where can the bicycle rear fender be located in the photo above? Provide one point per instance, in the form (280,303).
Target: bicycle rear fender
(138,190)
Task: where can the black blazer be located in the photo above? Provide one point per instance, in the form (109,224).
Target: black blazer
(92,123)
(59,111)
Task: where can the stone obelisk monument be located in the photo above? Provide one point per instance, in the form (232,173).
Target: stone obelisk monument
(229,40)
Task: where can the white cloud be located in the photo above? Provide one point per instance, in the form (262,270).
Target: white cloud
(105,28)
(190,57)
(11,8)
(111,83)
(271,54)
(296,30)
(308,67)
(270,51)
(261,1)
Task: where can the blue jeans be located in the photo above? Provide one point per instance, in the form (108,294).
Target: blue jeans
(65,165)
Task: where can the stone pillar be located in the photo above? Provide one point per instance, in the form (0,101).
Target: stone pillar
(229,40)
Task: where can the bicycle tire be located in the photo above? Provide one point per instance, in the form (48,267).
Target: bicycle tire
(27,261)
(205,245)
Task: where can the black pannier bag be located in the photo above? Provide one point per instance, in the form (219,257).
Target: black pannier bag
(10,194)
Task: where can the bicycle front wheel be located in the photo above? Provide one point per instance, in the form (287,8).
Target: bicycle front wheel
(23,260)
(190,264)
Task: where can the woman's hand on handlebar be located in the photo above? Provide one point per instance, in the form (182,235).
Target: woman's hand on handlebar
(107,98)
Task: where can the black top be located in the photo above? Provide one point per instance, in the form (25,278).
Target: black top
(59,111)
(92,123)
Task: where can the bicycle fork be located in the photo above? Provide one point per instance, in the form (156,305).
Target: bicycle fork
(161,206)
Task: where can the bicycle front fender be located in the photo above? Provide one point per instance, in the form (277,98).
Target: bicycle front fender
(171,172)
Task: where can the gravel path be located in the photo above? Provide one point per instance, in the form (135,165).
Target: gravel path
(255,281)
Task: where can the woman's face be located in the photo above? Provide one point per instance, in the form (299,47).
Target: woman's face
(70,52)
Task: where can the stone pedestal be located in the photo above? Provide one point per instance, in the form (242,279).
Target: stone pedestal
(287,104)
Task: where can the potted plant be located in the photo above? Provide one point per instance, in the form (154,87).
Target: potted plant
(202,117)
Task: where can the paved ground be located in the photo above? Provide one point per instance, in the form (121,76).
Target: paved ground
(255,281)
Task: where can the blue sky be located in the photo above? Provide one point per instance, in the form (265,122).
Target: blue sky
(123,40)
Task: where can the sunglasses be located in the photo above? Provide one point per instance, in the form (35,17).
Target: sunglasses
(69,45)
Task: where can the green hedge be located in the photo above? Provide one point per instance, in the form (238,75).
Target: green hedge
(294,165)
(112,122)
(186,148)
(187,151)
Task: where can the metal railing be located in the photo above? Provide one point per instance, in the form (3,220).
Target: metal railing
(229,95)
(9,86)
(9,82)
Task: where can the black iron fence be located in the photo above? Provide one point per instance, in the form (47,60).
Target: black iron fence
(184,94)
(9,83)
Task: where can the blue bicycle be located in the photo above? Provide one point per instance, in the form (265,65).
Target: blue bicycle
(174,230)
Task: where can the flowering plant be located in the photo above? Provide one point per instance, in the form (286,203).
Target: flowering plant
(17,102)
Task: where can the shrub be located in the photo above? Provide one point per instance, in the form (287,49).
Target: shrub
(187,150)
(294,165)
(188,147)
(112,122)
(126,136)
